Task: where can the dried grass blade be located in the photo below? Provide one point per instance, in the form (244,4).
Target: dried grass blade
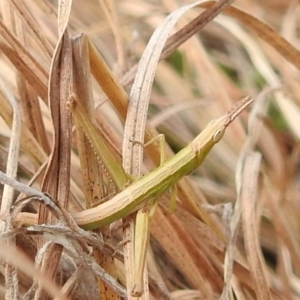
(56,181)
(289,52)
(11,278)
(165,229)
(13,154)
(28,143)
(35,30)
(184,34)
(36,75)
(31,111)
(193,27)
(284,230)
(13,256)
(204,233)
(108,81)
(27,67)
(249,196)
(109,9)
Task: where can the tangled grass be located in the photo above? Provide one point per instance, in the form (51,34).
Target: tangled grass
(137,68)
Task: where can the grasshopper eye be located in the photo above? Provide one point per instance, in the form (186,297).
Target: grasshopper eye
(218,134)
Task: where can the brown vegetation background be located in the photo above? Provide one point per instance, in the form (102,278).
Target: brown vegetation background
(235,231)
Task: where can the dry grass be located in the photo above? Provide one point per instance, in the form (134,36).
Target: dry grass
(207,249)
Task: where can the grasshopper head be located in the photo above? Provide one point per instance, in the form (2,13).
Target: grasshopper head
(218,127)
(219,134)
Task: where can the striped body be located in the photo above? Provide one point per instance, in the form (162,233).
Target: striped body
(163,177)
(156,182)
